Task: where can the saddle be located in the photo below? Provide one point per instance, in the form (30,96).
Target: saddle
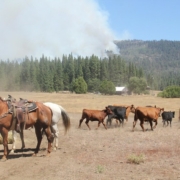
(20,110)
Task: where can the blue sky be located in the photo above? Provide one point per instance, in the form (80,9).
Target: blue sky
(143,19)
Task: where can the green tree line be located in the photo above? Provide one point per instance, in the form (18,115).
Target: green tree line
(59,74)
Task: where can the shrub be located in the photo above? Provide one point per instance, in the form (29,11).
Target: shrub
(137,85)
(170,92)
(107,87)
(79,86)
(100,169)
(136,159)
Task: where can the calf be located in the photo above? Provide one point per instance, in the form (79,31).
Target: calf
(150,114)
(94,115)
(167,117)
(118,112)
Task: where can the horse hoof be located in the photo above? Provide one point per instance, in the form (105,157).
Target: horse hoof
(34,155)
(12,151)
(48,155)
(3,159)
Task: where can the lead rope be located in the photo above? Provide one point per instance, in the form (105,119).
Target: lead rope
(4,115)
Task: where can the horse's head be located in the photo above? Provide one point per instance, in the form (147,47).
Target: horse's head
(11,99)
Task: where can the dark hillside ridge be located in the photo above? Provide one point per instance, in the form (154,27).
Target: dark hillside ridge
(160,58)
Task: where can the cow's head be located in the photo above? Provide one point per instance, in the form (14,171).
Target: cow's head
(108,110)
(173,114)
(132,108)
(161,110)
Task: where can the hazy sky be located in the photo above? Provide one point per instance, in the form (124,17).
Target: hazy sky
(82,27)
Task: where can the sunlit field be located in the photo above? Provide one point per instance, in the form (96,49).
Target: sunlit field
(115,153)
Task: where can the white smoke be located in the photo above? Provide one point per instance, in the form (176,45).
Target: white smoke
(53,28)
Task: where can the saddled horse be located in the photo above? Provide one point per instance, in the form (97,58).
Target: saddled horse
(40,117)
(57,112)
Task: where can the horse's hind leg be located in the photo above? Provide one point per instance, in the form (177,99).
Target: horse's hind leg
(56,135)
(39,138)
(50,139)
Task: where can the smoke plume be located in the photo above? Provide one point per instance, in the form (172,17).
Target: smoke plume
(53,28)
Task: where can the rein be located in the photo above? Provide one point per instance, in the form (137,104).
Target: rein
(4,115)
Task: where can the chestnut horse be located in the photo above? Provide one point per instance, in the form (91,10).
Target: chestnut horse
(58,112)
(40,118)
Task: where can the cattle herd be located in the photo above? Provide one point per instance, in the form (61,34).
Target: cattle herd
(120,112)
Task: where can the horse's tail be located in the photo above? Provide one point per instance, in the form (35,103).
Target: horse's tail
(65,118)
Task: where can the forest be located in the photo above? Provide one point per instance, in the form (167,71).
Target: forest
(59,74)
(158,62)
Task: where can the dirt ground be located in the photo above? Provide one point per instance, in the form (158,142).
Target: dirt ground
(98,154)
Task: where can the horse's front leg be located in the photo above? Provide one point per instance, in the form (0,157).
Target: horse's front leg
(14,141)
(22,139)
(4,133)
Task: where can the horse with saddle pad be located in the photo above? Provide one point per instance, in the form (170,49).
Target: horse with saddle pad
(57,112)
(23,115)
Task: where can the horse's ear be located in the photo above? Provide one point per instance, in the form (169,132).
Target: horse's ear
(9,96)
(20,99)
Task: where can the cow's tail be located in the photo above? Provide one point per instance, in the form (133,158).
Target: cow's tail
(65,118)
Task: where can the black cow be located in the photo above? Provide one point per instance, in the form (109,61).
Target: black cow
(167,117)
(119,113)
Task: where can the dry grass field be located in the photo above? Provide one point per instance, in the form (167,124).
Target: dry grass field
(113,154)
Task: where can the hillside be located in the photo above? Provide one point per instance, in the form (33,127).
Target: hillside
(158,58)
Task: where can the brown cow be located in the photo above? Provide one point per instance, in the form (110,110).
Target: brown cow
(94,115)
(150,114)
